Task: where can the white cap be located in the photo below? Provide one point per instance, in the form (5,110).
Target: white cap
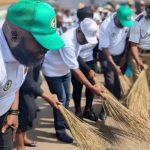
(89,28)
(100,9)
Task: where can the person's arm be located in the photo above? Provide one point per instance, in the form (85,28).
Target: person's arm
(83,65)
(111,61)
(31,84)
(37,90)
(51,99)
(12,117)
(16,102)
(69,57)
(135,54)
(81,78)
(134,39)
(90,73)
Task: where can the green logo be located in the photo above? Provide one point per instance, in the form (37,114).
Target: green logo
(53,23)
(7,85)
(128,17)
(113,34)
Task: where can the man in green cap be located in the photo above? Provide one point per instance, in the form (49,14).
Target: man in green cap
(140,42)
(27,34)
(112,44)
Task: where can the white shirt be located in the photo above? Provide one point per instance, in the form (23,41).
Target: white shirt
(86,52)
(140,33)
(12,75)
(68,20)
(112,37)
(59,63)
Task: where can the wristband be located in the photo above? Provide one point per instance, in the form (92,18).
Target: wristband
(13,112)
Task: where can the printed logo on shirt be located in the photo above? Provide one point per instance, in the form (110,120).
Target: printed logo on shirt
(113,34)
(7,85)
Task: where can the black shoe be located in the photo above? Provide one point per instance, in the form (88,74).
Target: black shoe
(89,114)
(103,115)
(78,113)
(64,137)
(66,126)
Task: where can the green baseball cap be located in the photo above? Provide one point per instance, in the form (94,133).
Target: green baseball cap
(39,18)
(124,14)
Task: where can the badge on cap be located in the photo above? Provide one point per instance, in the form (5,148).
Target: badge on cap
(53,23)
(128,17)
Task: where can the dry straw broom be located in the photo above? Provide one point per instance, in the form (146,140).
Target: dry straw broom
(125,84)
(87,137)
(136,125)
(138,98)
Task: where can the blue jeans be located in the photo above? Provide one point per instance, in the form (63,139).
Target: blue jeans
(61,87)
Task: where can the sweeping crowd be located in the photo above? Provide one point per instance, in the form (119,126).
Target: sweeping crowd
(67,47)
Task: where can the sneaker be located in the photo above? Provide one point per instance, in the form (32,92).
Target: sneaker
(78,113)
(90,114)
(64,137)
(103,115)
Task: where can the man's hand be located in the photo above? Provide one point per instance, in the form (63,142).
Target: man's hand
(118,70)
(54,101)
(11,122)
(140,65)
(51,99)
(91,74)
(98,91)
(122,61)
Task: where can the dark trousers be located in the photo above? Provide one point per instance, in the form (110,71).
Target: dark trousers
(6,141)
(77,90)
(61,87)
(111,79)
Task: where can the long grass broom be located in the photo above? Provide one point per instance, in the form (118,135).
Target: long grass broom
(125,84)
(136,125)
(138,99)
(87,137)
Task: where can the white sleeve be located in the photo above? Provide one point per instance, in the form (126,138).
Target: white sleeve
(135,33)
(69,57)
(104,40)
(3,75)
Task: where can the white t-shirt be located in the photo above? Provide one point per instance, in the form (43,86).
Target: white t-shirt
(112,37)
(140,32)
(59,63)
(12,75)
(86,52)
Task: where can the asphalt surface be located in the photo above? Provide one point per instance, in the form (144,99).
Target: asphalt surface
(44,132)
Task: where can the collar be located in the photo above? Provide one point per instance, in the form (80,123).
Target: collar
(8,57)
(145,15)
(113,21)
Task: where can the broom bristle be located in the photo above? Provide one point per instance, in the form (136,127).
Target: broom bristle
(138,98)
(87,137)
(125,85)
(133,123)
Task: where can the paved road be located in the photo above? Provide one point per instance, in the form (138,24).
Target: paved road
(44,132)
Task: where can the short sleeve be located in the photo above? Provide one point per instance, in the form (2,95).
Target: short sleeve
(134,35)
(69,57)
(104,40)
